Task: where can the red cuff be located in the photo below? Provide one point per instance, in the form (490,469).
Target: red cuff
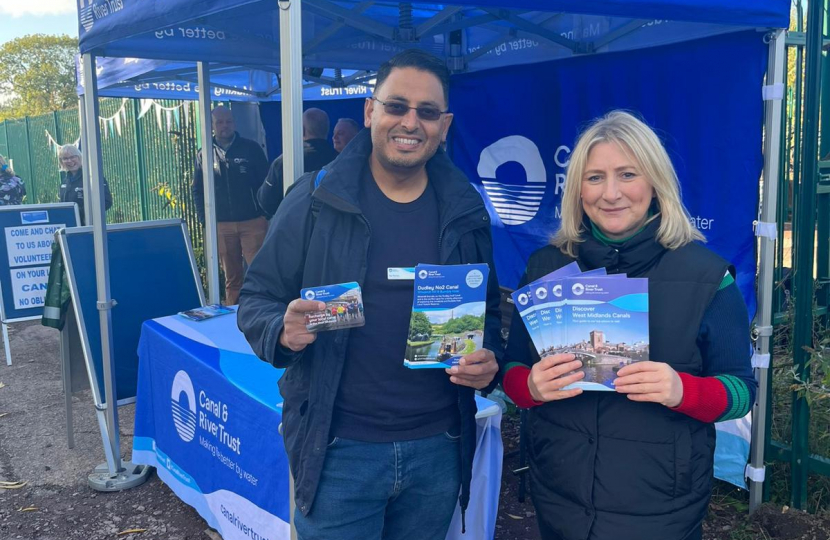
(704,398)
(515,386)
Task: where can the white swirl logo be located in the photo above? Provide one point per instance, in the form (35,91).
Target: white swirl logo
(309,295)
(422,274)
(184,415)
(523,299)
(557,290)
(541,293)
(514,203)
(578,288)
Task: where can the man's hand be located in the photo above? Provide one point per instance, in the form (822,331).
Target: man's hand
(650,381)
(551,374)
(475,370)
(294,334)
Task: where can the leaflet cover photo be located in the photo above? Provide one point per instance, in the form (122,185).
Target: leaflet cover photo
(344,307)
(448,308)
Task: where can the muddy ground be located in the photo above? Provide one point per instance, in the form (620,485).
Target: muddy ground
(55,503)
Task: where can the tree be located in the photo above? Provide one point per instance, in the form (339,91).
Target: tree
(419,326)
(467,323)
(37,75)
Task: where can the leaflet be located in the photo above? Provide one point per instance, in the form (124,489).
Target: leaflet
(206,312)
(530,298)
(344,307)
(604,324)
(448,309)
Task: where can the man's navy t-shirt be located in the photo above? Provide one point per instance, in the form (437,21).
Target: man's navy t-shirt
(379,399)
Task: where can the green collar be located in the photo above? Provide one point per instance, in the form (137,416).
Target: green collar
(598,234)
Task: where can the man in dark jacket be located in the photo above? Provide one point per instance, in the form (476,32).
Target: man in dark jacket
(376,450)
(317,152)
(239,166)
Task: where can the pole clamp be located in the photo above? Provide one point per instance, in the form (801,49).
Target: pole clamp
(104,306)
(773,92)
(766,229)
(760,360)
(754,474)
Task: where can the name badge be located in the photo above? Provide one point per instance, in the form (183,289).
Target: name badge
(400,274)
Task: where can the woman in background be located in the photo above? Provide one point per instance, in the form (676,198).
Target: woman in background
(72,180)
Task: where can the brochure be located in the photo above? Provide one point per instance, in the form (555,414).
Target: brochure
(344,307)
(206,312)
(448,308)
(605,325)
(533,298)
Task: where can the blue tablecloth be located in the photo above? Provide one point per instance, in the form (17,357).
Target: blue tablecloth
(207,414)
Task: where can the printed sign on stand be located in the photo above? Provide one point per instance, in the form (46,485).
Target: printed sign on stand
(27,233)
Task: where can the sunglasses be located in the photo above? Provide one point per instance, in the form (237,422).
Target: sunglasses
(395,108)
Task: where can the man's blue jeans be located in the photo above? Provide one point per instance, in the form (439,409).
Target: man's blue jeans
(392,491)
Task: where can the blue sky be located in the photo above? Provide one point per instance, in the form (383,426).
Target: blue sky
(23,17)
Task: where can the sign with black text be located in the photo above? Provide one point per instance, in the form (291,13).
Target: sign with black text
(28,232)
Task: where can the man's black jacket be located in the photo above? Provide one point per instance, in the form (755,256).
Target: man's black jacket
(317,153)
(238,173)
(302,251)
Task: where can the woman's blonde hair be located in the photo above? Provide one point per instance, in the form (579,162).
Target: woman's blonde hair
(8,171)
(639,142)
(68,150)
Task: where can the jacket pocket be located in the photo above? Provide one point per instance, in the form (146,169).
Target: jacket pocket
(683,462)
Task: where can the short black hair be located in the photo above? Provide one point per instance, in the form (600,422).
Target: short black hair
(420,60)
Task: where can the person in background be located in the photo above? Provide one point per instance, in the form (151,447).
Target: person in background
(344,131)
(12,189)
(317,152)
(72,180)
(377,451)
(638,462)
(239,166)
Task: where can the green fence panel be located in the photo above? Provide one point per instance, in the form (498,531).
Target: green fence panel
(43,184)
(4,145)
(118,146)
(148,161)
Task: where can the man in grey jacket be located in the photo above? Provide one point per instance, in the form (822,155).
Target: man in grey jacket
(376,450)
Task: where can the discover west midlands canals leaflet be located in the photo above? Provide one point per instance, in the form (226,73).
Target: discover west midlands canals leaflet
(447,314)
(530,298)
(602,320)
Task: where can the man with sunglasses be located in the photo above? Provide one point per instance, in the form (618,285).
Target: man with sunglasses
(377,451)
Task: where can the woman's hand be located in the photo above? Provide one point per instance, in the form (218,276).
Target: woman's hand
(552,373)
(650,381)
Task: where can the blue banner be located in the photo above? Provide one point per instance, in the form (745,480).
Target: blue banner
(516,127)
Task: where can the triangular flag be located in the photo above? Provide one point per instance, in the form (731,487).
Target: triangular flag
(118,125)
(169,116)
(176,116)
(146,105)
(157,108)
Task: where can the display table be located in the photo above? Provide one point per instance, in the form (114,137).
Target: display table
(207,417)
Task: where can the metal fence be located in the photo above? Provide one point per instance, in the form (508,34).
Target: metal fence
(148,148)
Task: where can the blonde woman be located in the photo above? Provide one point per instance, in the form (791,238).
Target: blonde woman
(638,462)
(12,189)
(72,180)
